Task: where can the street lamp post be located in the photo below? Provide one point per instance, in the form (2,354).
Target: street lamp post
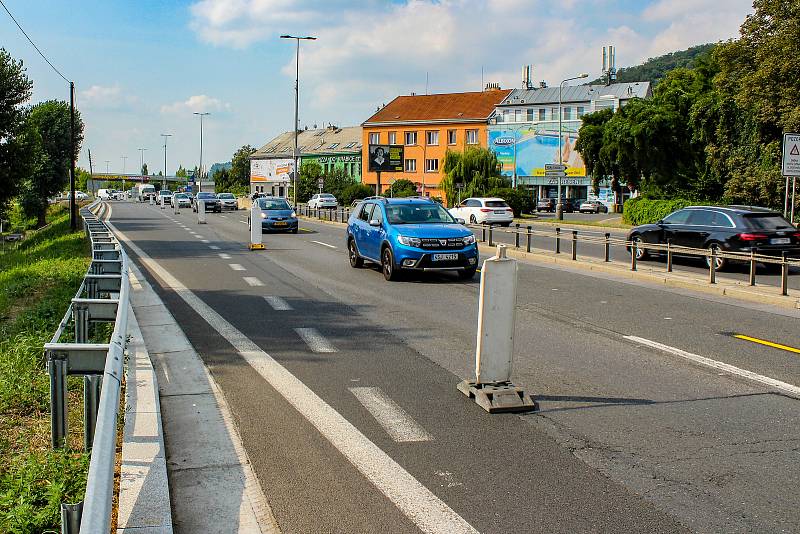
(141,159)
(107,162)
(164,179)
(296,104)
(559,210)
(199,178)
(124,160)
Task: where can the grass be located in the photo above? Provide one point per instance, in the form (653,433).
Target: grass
(528,219)
(37,280)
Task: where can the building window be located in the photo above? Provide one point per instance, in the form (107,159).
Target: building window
(531,117)
(506,115)
(499,117)
(451,137)
(542,114)
(375,138)
(411,165)
(553,114)
(431,165)
(567,113)
(581,111)
(333,145)
(392,138)
(518,115)
(411,138)
(432,138)
(472,137)
(349,145)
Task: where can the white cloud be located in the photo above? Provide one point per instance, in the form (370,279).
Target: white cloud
(106,98)
(196,103)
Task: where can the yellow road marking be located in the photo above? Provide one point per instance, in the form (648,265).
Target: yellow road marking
(306,230)
(767,343)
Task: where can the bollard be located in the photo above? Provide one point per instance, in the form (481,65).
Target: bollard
(558,240)
(634,253)
(574,245)
(516,237)
(491,243)
(483,233)
(528,244)
(71,518)
(784,276)
(256,234)
(57,369)
(608,247)
(752,267)
(162,203)
(492,388)
(712,267)
(152,201)
(91,402)
(201,211)
(669,255)
(175,208)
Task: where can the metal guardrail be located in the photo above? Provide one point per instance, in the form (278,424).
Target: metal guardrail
(103,297)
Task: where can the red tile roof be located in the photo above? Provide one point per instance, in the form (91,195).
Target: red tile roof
(448,106)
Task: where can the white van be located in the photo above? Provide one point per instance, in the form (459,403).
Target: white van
(104,194)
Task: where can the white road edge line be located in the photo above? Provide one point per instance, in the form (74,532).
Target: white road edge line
(400,426)
(323,244)
(278,304)
(418,503)
(236,267)
(315,341)
(213,247)
(253,281)
(702,360)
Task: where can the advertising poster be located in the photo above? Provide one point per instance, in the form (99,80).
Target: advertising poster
(534,148)
(271,170)
(385,158)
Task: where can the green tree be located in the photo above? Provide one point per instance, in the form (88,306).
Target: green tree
(51,120)
(310,172)
(181,172)
(82,177)
(144,169)
(403,188)
(16,155)
(336,181)
(240,166)
(476,168)
(590,143)
(355,192)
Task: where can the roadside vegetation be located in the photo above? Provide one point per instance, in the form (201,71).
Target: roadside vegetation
(38,277)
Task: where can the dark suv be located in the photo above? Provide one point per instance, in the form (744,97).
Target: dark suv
(211,201)
(731,228)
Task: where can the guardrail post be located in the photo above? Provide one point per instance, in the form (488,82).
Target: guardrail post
(91,288)
(558,240)
(712,268)
(607,245)
(752,267)
(574,245)
(491,243)
(528,245)
(516,237)
(634,253)
(784,276)
(80,316)
(57,369)
(71,518)
(669,255)
(91,401)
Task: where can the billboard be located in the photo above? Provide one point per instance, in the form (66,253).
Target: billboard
(535,147)
(385,158)
(271,170)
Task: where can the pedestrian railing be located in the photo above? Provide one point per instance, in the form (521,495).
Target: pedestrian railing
(339,214)
(559,239)
(75,349)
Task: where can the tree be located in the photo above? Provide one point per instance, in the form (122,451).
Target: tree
(590,143)
(51,120)
(181,172)
(476,169)
(403,188)
(336,181)
(16,161)
(240,166)
(310,172)
(355,192)
(144,169)
(82,177)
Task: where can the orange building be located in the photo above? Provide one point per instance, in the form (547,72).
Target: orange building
(427,126)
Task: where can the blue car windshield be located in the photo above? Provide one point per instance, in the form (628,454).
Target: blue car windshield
(418,214)
(273,204)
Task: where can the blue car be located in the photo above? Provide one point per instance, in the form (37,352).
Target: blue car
(410,234)
(276,215)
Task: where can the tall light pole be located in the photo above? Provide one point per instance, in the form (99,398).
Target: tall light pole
(141,159)
(164,179)
(199,178)
(559,210)
(107,162)
(296,104)
(124,160)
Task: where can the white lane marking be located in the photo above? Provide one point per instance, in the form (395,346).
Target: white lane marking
(213,247)
(224,216)
(243,222)
(277,303)
(224,256)
(253,281)
(400,426)
(236,267)
(205,241)
(200,236)
(323,244)
(721,366)
(418,503)
(315,341)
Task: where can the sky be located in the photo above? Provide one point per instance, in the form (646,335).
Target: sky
(142,68)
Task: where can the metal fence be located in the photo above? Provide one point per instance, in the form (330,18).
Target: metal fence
(103,297)
(339,214)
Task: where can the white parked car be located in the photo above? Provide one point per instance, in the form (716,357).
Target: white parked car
(484,210)
(323,200)
(164,197)
(182,200)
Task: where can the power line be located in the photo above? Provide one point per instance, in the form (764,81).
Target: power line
(32,43)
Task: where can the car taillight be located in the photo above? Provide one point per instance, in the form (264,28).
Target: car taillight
(752,237)
(486,210)
(796,235)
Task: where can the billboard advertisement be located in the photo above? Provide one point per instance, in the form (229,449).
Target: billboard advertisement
(535,147)
(271,170)
(385,158)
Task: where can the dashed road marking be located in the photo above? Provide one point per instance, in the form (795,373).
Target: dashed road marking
(253,281)
(236,267)
(224,256)
(213,247)
(323,244)
(277,303)
(400,426)
(315,341)
(243,222)
(205,241)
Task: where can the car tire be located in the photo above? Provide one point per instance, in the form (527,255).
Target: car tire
(467,274)
(294,231)
(473,219)
(641,253)
(390,271)
(721,262)
(356,261)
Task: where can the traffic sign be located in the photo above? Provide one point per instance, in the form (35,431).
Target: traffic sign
(554,173)
(555,167)
(791,154)
(321,181)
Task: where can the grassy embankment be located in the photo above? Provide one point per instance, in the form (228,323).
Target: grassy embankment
(38,278)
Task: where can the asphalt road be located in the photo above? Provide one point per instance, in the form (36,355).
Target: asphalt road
(627,439)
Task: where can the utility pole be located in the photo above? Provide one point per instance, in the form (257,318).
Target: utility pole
(164,179)
(199,178)
(73,215)
(124,161)
(141,160)
(91,172)
(559,207)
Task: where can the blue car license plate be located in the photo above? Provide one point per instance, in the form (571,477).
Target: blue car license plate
(279,223)
(445,257)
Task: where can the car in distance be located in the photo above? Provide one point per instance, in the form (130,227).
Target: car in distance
(105,194)
(228,201)
(726,229)
(210,200)
(484,211)
(546,204)
(592,206)
(410,234)
(182,200)
(164,197)
(276,215)
(323,201)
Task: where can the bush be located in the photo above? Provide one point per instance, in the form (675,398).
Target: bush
(355,192)
(648,211)
(519,200)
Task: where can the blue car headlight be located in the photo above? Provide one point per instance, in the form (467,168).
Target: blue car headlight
(409,241)
(468,240)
